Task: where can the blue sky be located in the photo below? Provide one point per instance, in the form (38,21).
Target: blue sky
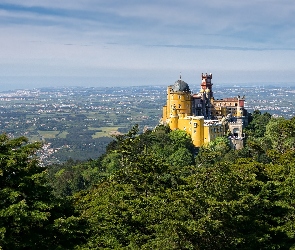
(140,42)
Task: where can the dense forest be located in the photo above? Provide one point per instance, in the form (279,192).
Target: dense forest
(154,191)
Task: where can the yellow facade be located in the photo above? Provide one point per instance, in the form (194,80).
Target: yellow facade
(219,111)
(194,126)
(177,113)
(173,121)
(164,115)
(199,129)
(194,113)
(212,130)
(179,101)
(168,106)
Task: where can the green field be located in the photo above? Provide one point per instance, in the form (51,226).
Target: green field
(48,134)
(105,131)
(63,134)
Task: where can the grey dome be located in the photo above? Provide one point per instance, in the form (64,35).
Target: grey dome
(181,86)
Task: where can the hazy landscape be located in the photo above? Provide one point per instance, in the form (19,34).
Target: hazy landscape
(77,122)
(83,164)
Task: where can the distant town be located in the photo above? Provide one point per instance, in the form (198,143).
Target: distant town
(78,123)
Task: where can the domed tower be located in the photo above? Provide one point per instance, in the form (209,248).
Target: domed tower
(178,98)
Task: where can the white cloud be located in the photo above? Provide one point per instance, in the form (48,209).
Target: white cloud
(89,37)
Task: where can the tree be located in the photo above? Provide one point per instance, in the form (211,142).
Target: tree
(122,210)
(214,151)
(30,216)
(257,125)
(281,133)
(242,207)
(71,177)
(180,138)
(148,205)
(151,203)
(182,157)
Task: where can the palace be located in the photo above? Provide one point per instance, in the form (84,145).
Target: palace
(203,117)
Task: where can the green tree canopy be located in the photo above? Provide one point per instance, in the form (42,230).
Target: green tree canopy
(150,203)
(281,133)
(257,124)
(30,216)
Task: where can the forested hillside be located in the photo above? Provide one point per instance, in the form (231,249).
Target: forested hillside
(155,191)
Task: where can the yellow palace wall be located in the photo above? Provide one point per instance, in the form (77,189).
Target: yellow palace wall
(200,131)
(211,131)
(181,101)
(177,113)
(194,126)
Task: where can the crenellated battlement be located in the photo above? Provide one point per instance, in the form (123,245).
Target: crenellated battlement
(206,76)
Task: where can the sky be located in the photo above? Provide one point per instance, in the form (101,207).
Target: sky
(145,42)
